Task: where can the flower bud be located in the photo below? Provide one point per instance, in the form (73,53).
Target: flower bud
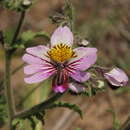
(27,2)
(116,77)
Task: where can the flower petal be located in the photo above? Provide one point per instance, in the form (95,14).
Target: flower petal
(38,51)
(77,88)
(116,77)
(34,68)
(62,35)
(60,88)
(38,77)
(80,76)
(31,59)
(86,57)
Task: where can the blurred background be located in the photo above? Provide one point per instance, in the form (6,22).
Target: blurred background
(106,24)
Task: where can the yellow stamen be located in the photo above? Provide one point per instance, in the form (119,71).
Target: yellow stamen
(61,53)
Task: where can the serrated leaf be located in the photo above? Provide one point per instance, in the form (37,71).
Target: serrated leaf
(15,121)
(21,125)
(73,107)
(40,116)
(32,122)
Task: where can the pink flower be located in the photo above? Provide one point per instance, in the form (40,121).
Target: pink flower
(59,61)
(116,77)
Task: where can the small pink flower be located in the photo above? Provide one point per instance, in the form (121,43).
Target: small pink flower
(116,77)
(59,61)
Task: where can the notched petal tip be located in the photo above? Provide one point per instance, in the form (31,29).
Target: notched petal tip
(62,35)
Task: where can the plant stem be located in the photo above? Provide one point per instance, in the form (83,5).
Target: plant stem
(8,90)
(7,80)
(12,73)
(38,108)
(18,27)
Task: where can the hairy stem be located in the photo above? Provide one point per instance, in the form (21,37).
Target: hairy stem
(12,73)
(8,90)
(7,79)
(38,108)
(18,27)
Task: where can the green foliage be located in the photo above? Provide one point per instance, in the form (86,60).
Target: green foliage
(27,37)
(17,5)
(30,35)
(69,10)
(33,119)
(66,17)
(8,36)
(73,107)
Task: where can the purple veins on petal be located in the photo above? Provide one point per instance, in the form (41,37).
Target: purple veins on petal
(38,77)
(86,57)
(60,60)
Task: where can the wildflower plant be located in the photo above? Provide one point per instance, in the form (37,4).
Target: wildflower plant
(70,66)
(60,61)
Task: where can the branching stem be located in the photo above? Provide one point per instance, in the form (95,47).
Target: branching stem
(7,78)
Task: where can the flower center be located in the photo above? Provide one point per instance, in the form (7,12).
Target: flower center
(61,53)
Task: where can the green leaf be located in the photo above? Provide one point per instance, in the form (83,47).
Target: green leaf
(30,35)
(32,122)
(40,116)
(8,36)
(73,107)
(27,36)
(21,125)
(16,122)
